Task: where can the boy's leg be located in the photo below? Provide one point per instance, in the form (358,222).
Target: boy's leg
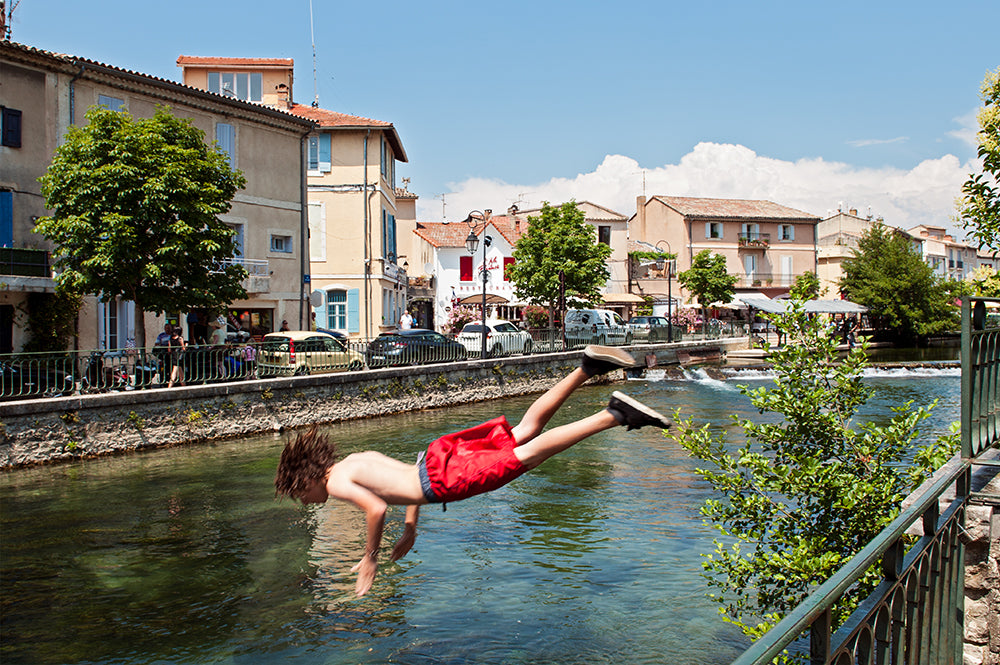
(622,410)
(596,360)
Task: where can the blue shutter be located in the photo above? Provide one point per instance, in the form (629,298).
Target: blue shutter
(225,135)
(353,311)
(6,219)
(320,311)
(392,238)
(324,152)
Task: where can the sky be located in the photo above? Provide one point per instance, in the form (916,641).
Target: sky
(860,104)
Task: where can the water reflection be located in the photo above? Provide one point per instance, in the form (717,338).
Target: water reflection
(184,555)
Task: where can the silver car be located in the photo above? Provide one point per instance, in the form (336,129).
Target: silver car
(649,328)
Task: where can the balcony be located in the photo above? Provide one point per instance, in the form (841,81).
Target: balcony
(24,262)
(759,279)
(755,240)
(258,278)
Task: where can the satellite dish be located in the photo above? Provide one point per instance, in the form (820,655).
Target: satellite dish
(428,269)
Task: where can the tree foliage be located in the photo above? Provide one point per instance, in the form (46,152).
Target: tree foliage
(135,206)
(707,280)
(904,298)
(980,203)
(806,287)
(559,239)
(809,487)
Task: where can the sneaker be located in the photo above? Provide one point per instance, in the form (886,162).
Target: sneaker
(603,359)
(635,414)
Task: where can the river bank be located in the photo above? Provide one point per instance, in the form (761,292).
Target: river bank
(63,429)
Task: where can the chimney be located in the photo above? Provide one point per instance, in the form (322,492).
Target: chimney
(854,211)
(640,213)
(282,90)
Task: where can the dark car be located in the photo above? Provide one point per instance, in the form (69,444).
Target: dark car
(413,347)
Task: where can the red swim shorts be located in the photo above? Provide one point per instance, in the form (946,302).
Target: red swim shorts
(476,460)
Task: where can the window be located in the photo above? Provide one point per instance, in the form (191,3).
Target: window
(751,231)
(11,130)
(245,85)
(319,153)
(786,232)
(111,103)
(713,229)
(465,268)
(750,266)
(237,240)
(604,234)
(225,136)
(786,269)
(388,236)
(336,310)
(282,244)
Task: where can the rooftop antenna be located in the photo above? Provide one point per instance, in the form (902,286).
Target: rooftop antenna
(443,218)
(7,22)
(312,36)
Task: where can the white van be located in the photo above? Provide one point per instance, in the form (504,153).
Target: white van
(596,326)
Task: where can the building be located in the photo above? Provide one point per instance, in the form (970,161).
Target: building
(837,240)
(765,244)
(948,258)
(44,93)
(357,282)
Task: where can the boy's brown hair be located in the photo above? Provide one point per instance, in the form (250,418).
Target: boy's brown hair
(304,460)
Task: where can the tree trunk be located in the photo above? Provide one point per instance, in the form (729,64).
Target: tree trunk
(140,326)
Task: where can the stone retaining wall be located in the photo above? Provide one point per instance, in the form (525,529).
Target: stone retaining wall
(982,578)
(68,428)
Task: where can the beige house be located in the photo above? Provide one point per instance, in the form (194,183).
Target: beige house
(837,239)
(948,258)
(356,282)
(766,245)
(44,93)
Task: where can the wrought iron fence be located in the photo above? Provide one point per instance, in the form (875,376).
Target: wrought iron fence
(915,615)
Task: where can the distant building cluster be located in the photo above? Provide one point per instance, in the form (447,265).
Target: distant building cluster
(330,239)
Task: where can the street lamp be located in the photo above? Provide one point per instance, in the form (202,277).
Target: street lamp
(474,220)
(662,263)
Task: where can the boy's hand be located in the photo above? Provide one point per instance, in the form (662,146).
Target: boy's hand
(404,543)
(366,573)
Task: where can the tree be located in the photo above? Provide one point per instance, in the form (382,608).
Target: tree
(980,203)
(707,280)
(904,298)
(135,206)
(809,487)
(806,287)
(559,240)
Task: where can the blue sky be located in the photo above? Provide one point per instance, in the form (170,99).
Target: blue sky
(806,104)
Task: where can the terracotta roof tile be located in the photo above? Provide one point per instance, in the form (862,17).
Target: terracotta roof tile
(453,234)
(234,62)
(327,118)
(733,209)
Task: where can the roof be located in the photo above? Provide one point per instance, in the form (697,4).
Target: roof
(698,208)
(87,69)
(453,234)
(328,119)
(591,211)
(765,304)
(234,63)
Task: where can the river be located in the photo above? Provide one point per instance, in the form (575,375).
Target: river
(184,555)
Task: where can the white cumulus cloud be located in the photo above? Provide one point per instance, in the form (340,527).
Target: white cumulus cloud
(924,194)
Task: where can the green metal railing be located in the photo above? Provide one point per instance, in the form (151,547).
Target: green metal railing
(915,615)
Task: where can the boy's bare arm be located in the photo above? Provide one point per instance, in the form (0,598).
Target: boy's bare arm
(405,541)
(341,487)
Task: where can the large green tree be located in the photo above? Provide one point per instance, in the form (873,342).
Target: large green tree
(559,239)
(887,274)
(707,280)
(980,203)
(810,485)
(135,214)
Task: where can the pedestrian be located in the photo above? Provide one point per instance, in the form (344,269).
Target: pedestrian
(456,466)
(405,321)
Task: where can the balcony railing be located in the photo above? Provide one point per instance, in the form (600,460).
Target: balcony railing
(757,240)
(24,262)
(916,613)
(254,267)
(759,279)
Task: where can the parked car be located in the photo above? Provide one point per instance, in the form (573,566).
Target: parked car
(596,326)
(502,339)
(298,352)
(650,328)
(415,346)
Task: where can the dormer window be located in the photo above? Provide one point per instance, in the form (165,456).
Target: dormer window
(247,86)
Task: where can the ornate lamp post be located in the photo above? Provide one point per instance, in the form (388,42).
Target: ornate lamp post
(662,263)
(479,220)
